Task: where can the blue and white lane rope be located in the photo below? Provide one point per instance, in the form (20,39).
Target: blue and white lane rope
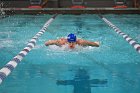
(125,36)
(8,68)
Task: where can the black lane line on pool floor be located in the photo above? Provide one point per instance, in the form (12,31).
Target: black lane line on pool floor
(109,69)
(131,41)
(8,68)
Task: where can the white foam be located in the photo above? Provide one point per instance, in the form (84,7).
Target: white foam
(66,48)
(38,46)
(6,43)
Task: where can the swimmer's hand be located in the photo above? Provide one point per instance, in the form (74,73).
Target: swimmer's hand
(48,43)
(98,43)
(51,42)
(95,44)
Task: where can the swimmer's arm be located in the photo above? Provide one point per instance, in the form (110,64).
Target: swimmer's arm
(92,43)
(51,42)
(88,43)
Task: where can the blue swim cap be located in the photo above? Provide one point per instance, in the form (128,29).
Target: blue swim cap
(71,38)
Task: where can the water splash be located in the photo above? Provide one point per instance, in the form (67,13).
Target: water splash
(66,48)
(1,9)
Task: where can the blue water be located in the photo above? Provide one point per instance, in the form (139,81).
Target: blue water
(115,60)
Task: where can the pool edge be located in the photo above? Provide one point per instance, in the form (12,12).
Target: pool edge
(71,10)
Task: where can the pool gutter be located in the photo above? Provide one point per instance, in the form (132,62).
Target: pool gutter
(71,10)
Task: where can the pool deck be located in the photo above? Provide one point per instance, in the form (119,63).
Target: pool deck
(72,10)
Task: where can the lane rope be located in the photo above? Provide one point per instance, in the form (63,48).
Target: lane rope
(11,65)
(131,41)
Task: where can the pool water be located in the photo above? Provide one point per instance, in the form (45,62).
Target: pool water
(115,60)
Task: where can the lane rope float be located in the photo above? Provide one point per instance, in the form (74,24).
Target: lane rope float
(131,41)
(11,65)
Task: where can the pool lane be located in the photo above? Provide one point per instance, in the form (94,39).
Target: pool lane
(125,36)
(8,68)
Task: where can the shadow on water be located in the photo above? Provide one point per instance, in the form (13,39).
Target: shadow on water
(82,82)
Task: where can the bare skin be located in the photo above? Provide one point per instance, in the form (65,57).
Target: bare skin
(63,41)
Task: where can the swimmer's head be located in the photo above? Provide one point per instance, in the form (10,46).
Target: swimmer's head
(71,38)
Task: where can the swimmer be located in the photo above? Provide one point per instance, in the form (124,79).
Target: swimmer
(72,41)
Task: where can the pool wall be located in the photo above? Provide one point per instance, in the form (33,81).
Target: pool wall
(64,3)
(71,11)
